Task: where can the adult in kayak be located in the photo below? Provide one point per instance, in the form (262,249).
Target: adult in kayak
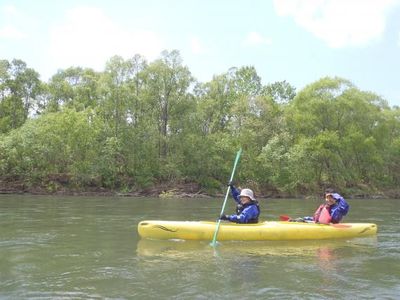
(332,211)
(247,208)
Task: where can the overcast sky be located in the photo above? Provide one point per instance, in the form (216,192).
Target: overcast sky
(299,41)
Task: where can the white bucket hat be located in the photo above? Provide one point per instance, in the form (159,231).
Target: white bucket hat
(247,193)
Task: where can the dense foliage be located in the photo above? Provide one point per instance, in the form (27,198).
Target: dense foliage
(137,124)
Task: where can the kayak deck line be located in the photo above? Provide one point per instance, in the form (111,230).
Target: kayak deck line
(165,228)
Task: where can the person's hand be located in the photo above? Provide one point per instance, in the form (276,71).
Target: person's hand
(231,184)
(329,200)
(298,220)
(224,217)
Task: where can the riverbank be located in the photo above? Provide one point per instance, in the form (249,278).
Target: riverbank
(182,190)
(160,190)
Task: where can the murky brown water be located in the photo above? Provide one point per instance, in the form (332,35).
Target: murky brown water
(88,248)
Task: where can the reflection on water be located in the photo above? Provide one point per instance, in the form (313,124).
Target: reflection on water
(324,254)
(324,250)
(271,269)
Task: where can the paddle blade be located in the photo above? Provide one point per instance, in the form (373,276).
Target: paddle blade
(214,243)
(284,218)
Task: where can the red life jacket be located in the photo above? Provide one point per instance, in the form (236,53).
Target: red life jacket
(322,214)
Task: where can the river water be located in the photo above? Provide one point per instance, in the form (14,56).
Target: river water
(88,248)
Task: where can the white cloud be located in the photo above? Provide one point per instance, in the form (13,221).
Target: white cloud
(337,22)
(88,38)
(9,10)
(9,16)
(255,39)
(197,46)
(10,32)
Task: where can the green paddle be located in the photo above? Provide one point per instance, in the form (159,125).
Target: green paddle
(214,241)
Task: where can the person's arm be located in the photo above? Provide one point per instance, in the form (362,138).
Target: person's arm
(235,193)
(341,208)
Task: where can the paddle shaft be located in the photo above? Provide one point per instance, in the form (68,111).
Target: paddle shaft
(213,243)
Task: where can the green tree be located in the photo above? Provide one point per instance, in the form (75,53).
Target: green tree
(137,124)
(115,94)
(338,123)
(74,87)
(55,148)
(19,87)
(167,91)
(281,91)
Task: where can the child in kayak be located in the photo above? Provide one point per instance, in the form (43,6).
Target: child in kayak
(247,208)
(332,211)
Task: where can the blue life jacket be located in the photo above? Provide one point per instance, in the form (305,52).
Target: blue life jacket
(247,213)
(339,209)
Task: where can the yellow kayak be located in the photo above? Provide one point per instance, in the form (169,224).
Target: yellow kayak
(263,231)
